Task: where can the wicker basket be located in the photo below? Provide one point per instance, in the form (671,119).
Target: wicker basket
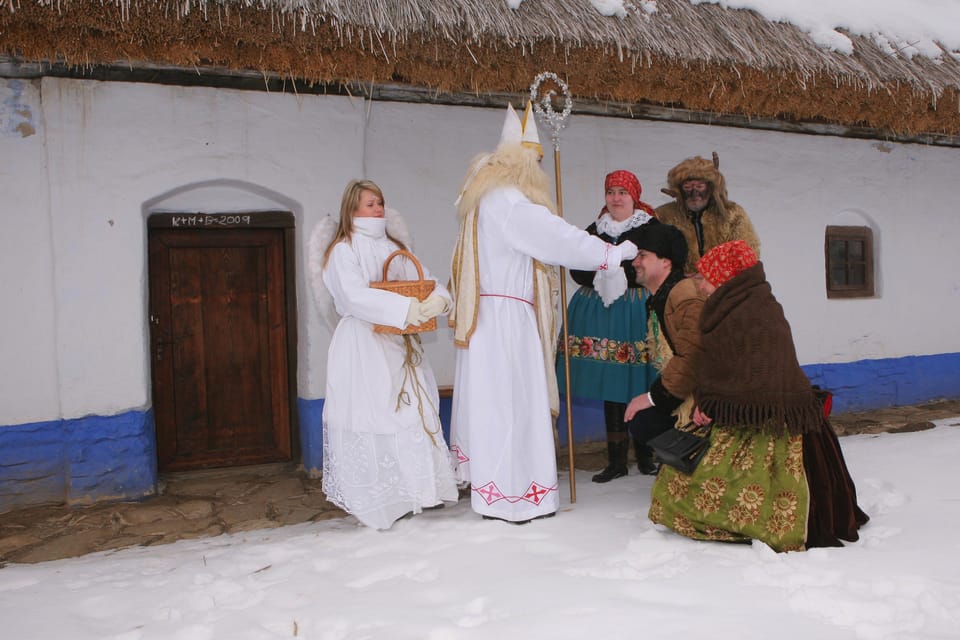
(418,289)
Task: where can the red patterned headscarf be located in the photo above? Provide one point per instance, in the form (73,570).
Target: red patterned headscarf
(725,261)
(625,179)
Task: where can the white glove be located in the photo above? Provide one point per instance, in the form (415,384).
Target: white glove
(415,313)
(628,251)
(610,284)
(433,306)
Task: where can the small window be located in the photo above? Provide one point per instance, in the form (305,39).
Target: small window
(849,262)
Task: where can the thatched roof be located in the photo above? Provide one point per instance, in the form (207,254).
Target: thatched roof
(702,58)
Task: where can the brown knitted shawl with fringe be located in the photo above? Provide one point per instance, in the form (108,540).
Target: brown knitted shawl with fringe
(749,375)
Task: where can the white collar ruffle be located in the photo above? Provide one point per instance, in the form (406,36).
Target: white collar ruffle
(614,228)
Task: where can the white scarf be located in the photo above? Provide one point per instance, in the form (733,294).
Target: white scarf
(614,228)
(370,227)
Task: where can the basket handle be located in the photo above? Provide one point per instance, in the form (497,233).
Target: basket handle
(405,254)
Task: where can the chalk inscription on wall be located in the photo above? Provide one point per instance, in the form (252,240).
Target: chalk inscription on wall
(211,220)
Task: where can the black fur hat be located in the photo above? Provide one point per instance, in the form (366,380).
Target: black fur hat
(666,241)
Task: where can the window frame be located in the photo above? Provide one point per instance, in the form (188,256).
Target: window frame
(848,233)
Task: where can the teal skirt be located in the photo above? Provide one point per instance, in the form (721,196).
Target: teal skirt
(607,345)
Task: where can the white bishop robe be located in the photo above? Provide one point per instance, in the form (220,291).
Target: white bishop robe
(502,429)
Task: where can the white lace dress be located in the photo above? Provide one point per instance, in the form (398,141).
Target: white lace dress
(384,454)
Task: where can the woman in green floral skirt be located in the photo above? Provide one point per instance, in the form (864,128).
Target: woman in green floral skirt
(774,471)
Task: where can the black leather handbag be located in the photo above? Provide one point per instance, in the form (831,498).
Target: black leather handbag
(681,448)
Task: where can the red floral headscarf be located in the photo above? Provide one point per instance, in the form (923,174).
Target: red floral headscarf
(625,179)
(725,261)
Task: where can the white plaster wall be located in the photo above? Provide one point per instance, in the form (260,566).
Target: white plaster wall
(117,146)
(28,374)
(793,186)
(116,151)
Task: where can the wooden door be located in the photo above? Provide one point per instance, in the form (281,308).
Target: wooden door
(220,349)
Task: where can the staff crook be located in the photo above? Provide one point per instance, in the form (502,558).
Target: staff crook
(543,107)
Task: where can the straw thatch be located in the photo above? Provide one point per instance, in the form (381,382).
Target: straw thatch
(700,57)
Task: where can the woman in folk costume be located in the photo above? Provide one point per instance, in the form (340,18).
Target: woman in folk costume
(608,328)
(504,320)
(774,471)
(384,455)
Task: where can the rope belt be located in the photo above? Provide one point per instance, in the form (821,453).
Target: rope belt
(411,361)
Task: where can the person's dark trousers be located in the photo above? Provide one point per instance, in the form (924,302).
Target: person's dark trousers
(618,442)
(648,424)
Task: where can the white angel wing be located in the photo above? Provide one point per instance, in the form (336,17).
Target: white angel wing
(397,227)
(320,238)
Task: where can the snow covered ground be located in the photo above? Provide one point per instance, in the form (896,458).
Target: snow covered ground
(600,569)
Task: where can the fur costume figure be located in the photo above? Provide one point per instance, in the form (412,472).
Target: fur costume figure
(722,221)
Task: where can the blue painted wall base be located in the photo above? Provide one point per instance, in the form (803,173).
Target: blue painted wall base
(311,431)
(888,382)
(78,461)
(311,435)
(856,386)
(588,423)
(114,457)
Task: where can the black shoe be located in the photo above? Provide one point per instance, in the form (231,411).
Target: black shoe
(546,515)
(648,467)
(645,462)
(610,473)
